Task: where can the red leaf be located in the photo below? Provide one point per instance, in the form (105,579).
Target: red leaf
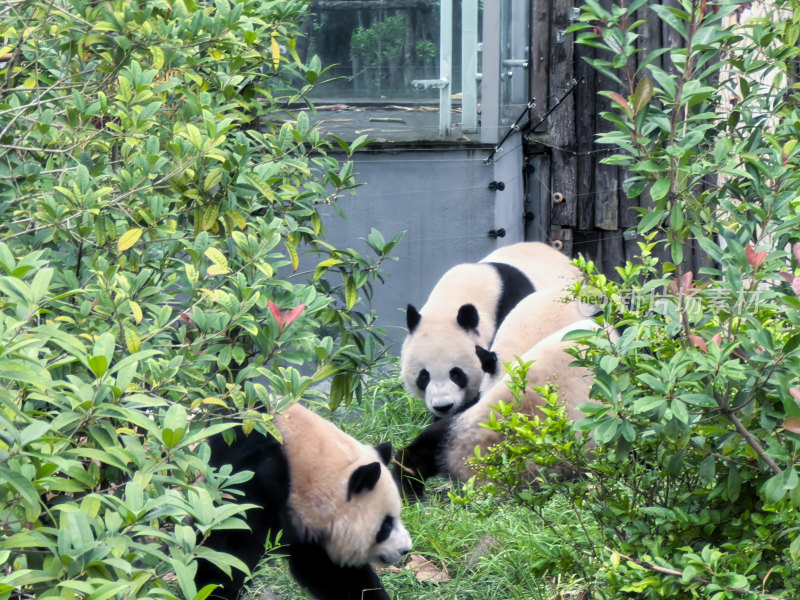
(185,317)
(796,251)
(754,258)
(787,276)
(276,312)
(686,281)
(699,342)
(792,424)
(795,392)
(717,339)
(673,286)
(619,99)
(796,285)
(289,317)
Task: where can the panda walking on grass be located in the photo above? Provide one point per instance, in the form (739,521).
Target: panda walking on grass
(332,498)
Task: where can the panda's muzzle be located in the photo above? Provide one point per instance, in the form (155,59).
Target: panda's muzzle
(443,409)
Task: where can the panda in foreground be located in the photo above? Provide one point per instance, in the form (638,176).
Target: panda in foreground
(464,309)
(446,446)
(332,497)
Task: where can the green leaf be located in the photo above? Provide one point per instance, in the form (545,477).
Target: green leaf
(643,94)
(128,239)
(16,290)
(707,469)
(22,486)
(791,344)
(98,365)
(660,189)
(216,257)
(734,484)
(223,560)
(648,403)
(654,383)
(350,292)
(213,177)
(40,284)
(652,219)
(606,430)
(774,490)
(108,590)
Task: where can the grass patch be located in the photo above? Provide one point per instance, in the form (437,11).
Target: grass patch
(490,550)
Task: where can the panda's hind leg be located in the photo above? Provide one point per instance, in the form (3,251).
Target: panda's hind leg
(326,580)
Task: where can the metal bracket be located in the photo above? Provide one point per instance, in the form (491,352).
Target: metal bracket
(629,234)
(560,34)
(575,13)
(429,84)
(496,233)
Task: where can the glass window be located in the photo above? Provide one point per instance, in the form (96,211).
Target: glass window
(393,74)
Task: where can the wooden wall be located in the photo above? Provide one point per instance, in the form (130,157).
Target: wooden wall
(577,200)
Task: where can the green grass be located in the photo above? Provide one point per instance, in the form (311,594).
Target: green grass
(491,551)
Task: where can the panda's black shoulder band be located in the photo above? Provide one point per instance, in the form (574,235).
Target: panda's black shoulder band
(514,286)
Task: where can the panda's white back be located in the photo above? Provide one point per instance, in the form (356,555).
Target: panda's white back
(545,266)
(535,317)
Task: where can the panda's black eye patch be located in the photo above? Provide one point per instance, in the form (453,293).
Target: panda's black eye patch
(385,530)
(423,379)
(458,377)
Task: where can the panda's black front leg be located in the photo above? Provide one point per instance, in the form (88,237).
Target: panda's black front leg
(421,459)
(326,580)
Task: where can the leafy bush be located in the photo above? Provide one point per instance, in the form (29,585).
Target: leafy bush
(157,190)
(693,489)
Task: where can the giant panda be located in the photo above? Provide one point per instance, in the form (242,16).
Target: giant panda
(332,497)
(534,318)
(438,362)
(446,446)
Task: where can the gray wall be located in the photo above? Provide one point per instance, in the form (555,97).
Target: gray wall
(442,200)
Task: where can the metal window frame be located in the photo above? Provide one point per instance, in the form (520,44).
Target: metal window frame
(493,67)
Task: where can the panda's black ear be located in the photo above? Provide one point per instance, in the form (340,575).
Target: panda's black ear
(385,452)
(412,318)
(363,479)
(468,317)
(488,360)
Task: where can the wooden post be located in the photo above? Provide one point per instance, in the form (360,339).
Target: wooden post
(540,59)
(562,121)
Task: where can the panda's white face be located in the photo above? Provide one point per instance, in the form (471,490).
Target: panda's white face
(392,542)
(368,528)
(444,371)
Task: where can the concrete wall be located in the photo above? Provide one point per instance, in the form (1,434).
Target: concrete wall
(442,200)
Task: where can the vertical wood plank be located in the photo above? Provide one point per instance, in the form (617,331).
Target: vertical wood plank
(587,243)
(585,125)
(613,253)
(562,121)
(606,177)
(539,198)
(541,11)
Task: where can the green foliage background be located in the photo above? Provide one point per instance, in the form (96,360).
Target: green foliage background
(157,187)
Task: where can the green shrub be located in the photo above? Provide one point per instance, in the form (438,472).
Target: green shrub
(157,188)
(693,489)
